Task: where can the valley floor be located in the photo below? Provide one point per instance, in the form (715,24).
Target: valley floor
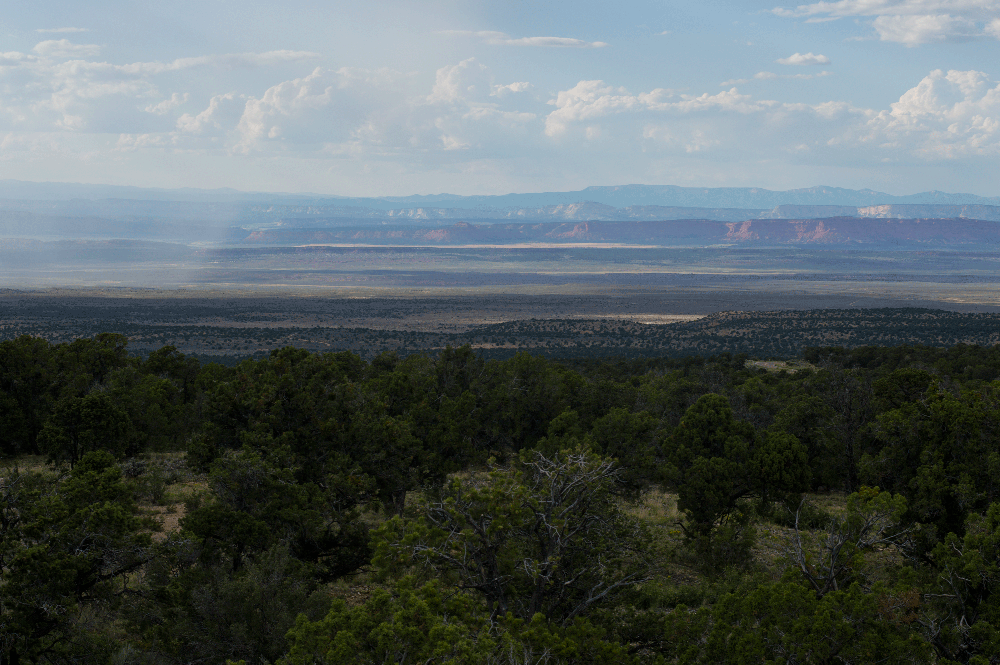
(228,326)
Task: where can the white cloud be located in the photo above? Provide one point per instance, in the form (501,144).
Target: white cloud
(349,111)
(845,8)
(504,90)
(503,39)
(453,143)
(210,117)
(468,79)
(61,87)
(64,48)
(63,30)
(585,100)
(167,105)
(804,59)
(945,116)
(463,119)
(325,108)
(594,99)
(916,30)
(13,58)
(354,112)
(912,22)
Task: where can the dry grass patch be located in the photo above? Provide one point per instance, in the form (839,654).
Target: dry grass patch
(28,464)
(832,503)
(178,493)
(790,366)
(168,518)
(655,508)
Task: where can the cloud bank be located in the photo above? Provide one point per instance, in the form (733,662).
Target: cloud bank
(911,22)
(65,104)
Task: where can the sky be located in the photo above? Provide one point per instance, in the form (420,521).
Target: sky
(399,97)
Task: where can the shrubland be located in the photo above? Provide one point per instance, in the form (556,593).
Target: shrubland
(318,508)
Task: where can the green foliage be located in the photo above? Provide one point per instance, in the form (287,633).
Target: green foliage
(729,546)
(964,605)
(809,419)
(426,624)
(26,377)
(212,614)
(717,461)
(780,466)
(408,625)
(941,452)
(871,522)
(631,439)
(79,425)
(67,546)
(158,419)
(564,432)
(258,505)
(546,537)
(315,413)
(535,560)
(786,622)
(520,397)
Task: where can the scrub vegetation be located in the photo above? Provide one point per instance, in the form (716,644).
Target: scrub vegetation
(307,508)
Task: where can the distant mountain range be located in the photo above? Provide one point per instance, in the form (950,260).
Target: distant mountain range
(616,196)
(631,214)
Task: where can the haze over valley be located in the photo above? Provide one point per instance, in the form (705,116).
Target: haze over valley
(478,263)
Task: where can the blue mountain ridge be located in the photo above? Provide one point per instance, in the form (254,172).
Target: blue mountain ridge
(617,196)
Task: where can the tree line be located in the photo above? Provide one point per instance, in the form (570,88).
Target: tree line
(490,510)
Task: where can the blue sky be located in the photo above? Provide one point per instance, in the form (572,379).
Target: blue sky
(403,97)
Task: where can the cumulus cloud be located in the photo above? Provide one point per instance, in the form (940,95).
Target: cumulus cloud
(212,117)
(503,39)
(325,108)
(804,59)
(588,100)
(60,85)
(13,58)
(584,101)
(947,115)
(730,125)
(468,79)
(469,110)
(64,48)
(464,118)
(378,111)
(503,90)
(916,30)
(912,22)
(167,105)
(350,112)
